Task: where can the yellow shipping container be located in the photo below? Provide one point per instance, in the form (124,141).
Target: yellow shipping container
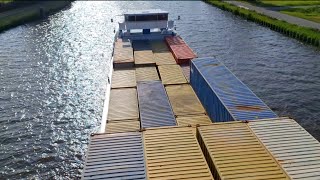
(164,58)
(193,120)
(123,53)
(293,147)
(145,57)
(171,74)
(123,104)
(124,78)
(122,126)
(146,74)
(174,153)
(183,100)
(234,152)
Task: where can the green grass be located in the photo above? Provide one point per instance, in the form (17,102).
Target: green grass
(288,3)
(304,34)
(312,14)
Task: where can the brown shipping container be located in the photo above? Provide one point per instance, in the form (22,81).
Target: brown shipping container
(164,58)
(292,146)
(144,58)
(171,74)
(180,50)
(183,100)
(124,78)
(234,152)
(123,104)
(193,120)
(122,126)
(174,153)
(123,54)
(146,74)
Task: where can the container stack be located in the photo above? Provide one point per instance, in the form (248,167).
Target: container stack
(180,50)
(223,95)
(157,125)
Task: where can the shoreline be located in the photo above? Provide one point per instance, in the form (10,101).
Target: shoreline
(303,34)
(15,17)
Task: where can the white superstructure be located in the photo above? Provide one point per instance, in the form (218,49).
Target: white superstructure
(146,24)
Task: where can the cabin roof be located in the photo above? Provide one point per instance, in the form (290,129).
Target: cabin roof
(145,12)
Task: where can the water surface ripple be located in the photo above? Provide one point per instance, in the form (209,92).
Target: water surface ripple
(53,78)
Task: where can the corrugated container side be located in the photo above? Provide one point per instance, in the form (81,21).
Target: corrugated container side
(115,156)
(186,71)
(145,57)
(230,98)
(122,126)
(123,104)
(159,46)
(171,74)
(155,109)
(293,147)
(183,100)
(147,74)
(123,78)
(174,153)
(234,152)
(141,45)
(193,120)
(164,58)
(212,104)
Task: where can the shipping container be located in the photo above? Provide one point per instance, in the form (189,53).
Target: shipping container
(123,55)
(234,152)
(122,126)
(186,71)
(180,50)
(171,74)
(183,100)
(155,109)
(115,156)
(141,45)
(146,74)
(124,78)
(223,95)
(164,58)
(193,120)
(123,104)
(145,57)
(174,153)
(159,46)
(293,147)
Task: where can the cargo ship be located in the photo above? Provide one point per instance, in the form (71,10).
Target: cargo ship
(169,114)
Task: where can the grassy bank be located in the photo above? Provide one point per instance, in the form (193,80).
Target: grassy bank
(23,15)
(311,14)
(307,35)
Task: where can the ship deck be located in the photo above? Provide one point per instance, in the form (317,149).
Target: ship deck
(158,124)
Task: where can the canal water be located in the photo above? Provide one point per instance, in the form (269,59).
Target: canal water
(53,75)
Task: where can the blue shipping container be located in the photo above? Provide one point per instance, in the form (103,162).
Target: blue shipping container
(115,156)
(223,95)
(154,106)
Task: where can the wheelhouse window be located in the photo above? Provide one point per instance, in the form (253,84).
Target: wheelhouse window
(147,17)
(163,17)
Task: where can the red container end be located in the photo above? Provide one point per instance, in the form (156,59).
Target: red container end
(180,50)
